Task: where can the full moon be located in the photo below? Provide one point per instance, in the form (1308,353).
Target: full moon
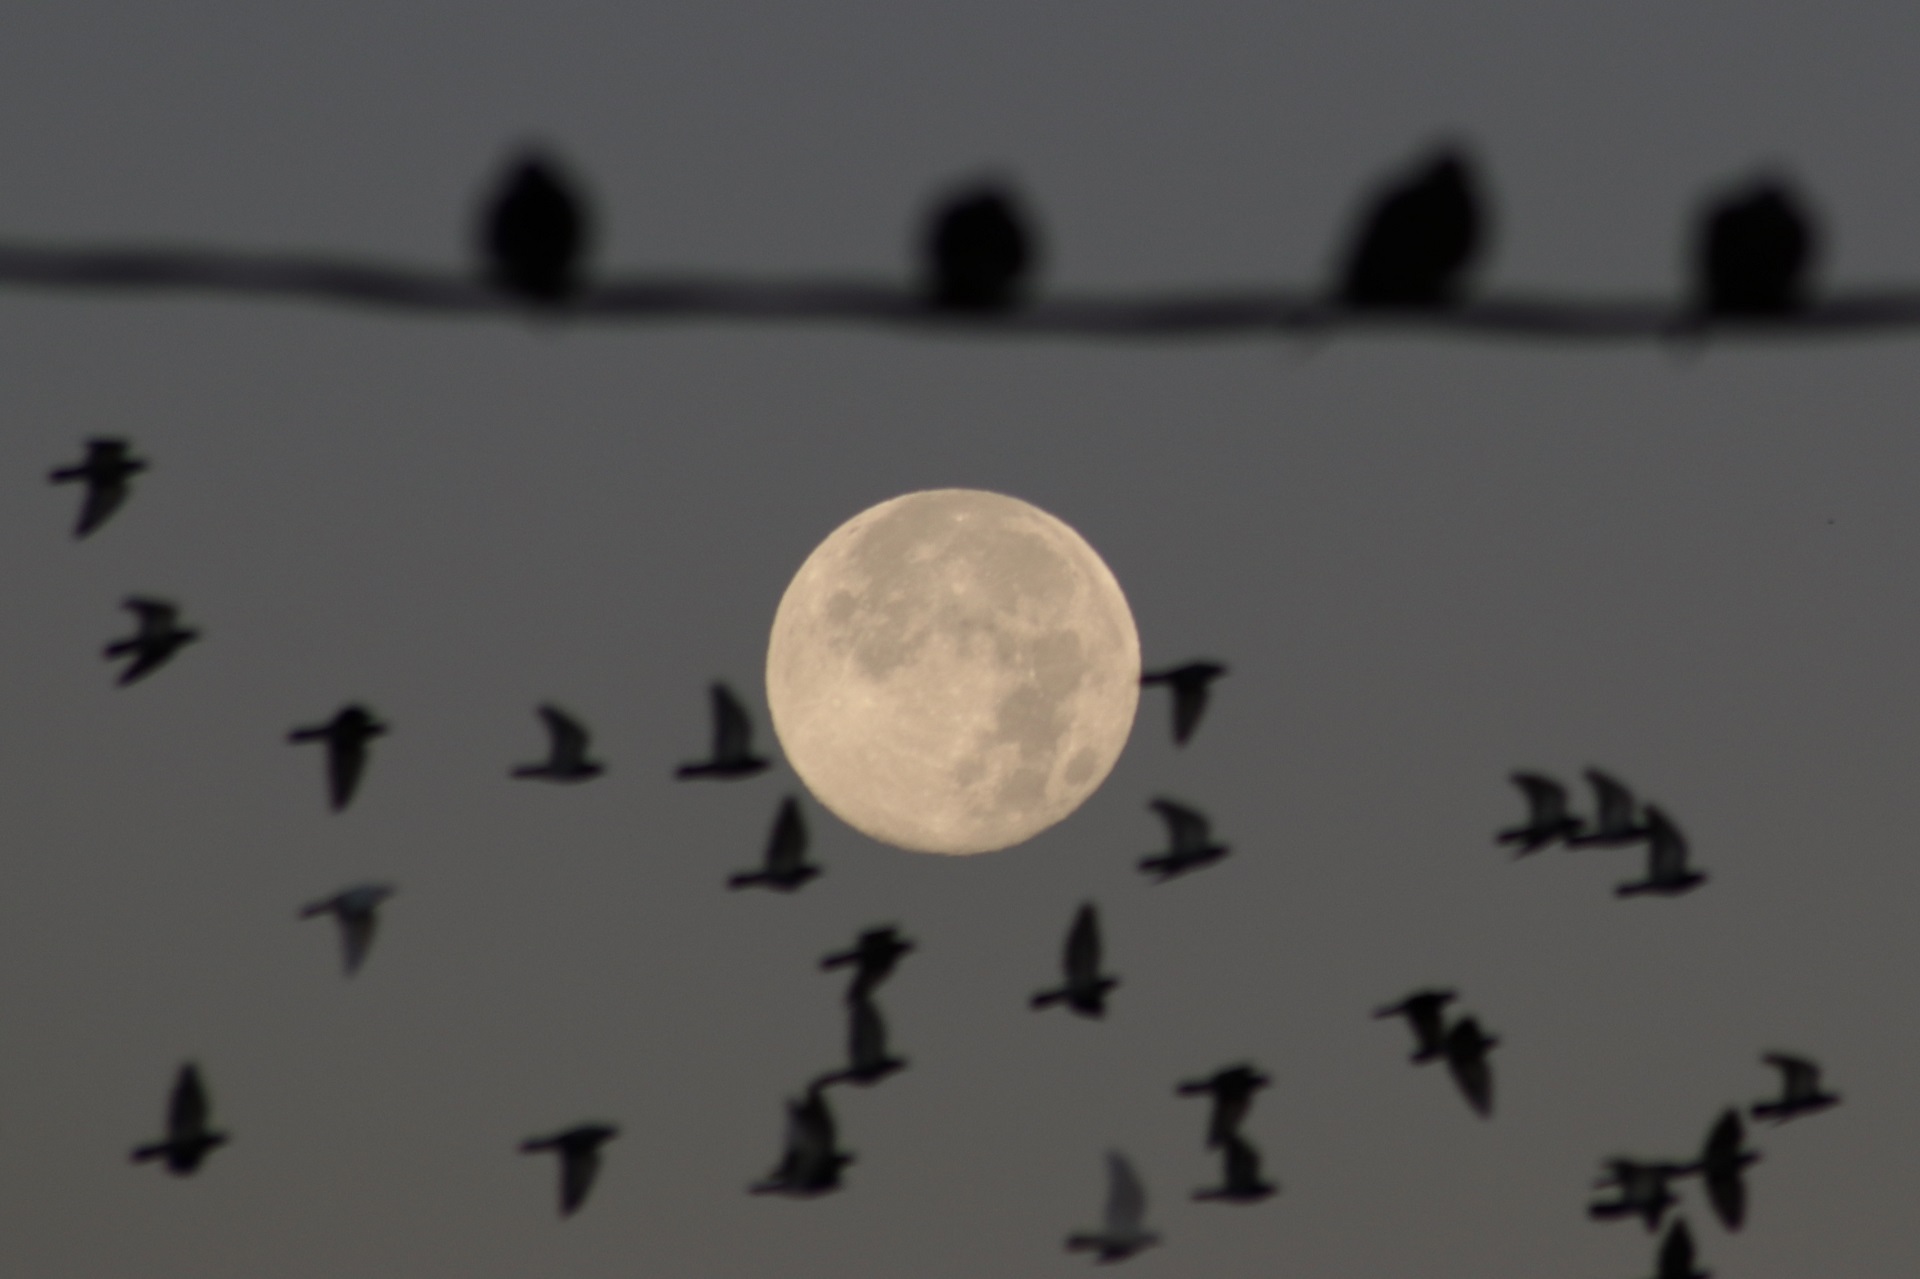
(953,671)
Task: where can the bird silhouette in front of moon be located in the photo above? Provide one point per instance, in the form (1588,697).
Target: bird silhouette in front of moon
(579,1151)
(1420,237)
(356,910)
(1085,989)
(567,759)
(190,1136)
(349,736)
(1123,1229)
(733,755)
(534,231)
(785,867)
(107,472)
(1190,684)
(980,254)
(153,645)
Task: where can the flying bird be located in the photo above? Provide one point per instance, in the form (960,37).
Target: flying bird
(1190,689)
(979,250)
(1614,822)
(1548,821)
(348,736)
(534,232)
(106,470)
(1667,871)
(786,867)
(1641,1190)
(356,909)
(1241,1182)
(1123,1231)
(1425,1014)
(579,1151)
(867,1059)
(732,741)
(153,645)
(811,1163)
(1754,252)
(1419,238)
(1676,1254)
(873,956)
(1193,846)
(566,761)
(1085,990)
(1800,1092)
(1466,1048)
(189,1138)
(1722,1165)
(1232,1089)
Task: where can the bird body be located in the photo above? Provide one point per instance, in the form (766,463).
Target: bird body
(733,755)
(1232,1089)
(873,957)
(579,1151)
(979,251)
(1755,252)
(567,759)
(1192,839)
(1190,684)
(1800,1092)
(1466,1050)
(107,471)
(534,232)
(1241,1181)
(1085,989)
(357,910)
(153,645)
(786,867)
(1548,821)
(1425,1011)
(347,735)
(1667,872)
(1123,1229)
(811,1163)
(867,1059)
(189,1136)
(1419,239)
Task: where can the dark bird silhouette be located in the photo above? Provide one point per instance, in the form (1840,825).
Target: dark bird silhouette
(566,761)
(1548,821)
(1425,1013)
(786,867)
(534,232)
(979,250)
(867,1059)
(348,736)
(732,741)
(874,954)
(1800,1092)
(153,645)
(579,1151)
(1466,1049)
(1667,871)
(1722,1165)
(1641,1190)
(1123,1229)
(811,1163)
(357,910)
(1676,1254)
(1755,251)
(1085,990)
(1419,238)
(1232,1089)
(189,1138)
(1193,846)
(1190,689)
(1615,822)
(1240,1180)
(107,470)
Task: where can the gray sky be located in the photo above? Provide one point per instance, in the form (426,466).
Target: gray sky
(1428,560)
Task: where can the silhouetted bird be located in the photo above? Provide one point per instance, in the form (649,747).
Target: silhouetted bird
(980,253)
(356,909)
(1425,1012)
(1614,820)
(1086,989)
(732,741)
(106,471)
(1676,1254)
(1123,1229)
(786,867)
(347,735)
(1190,689)
(811,1163)
(1800,1092)
(1722,1165)
(535,230)
(1642,1191)
(579,1151)
(1466,1048)
(874,954)
(1193,845)
(1240,1180)
(867,1058)
(152,646)
(1419,238)
(1667,872)
(189,1138)
(1755,251)
(1232,1090)
(566,760)
(1548,821)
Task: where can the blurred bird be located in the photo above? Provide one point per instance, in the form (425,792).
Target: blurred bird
(1642,1191)
(1086,989)
(1667,872)
(1754,251)
(979,250)
(566,760)
(347,735)
(356,909)
(1232,1090)
(152,646)
(1548,821)
(534,232)
(1799,1090)
(1240,1175)
(1425,1012)
(1676,1254)
(188,1139)
(1722,1165)
(1614,822)
(1466,1048)
(811,1163)
(732,741)
(106,471)
(1419,238)
(1122,1232)
(1190,688)
(874,954)
(867,1059)
(579,1151)
(1193,846)
(786,867)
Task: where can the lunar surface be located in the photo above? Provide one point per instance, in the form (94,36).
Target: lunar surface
(953,671)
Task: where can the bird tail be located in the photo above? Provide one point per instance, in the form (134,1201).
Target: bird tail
(746,879)
(1041,1000)
(145,1154)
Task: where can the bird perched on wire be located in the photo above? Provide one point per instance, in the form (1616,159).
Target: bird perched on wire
(1123,1230)
(1085,989)
(1668,874)
(1548,821)
(868,1061)
(811,1163)
(1466,1049)
(874,954)
(1232,1089)
(357,911)
(153,645)
(1425,1011)
(1192,838)
(567,759)
(1800,1092)
(1240,1179)
(785,867)
(1420,237)
(1754,252)
(535,231)
(979,251)
(107,471)
(579,1151)
(1191,685)
(1722,1165)
(732,741)
(1615,818)
(190,1138)
(1641,1190)
(348,735)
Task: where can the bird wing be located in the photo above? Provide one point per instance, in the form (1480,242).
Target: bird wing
(1126,1197)
(787,847)
(1723,1140)
(1189,703)
(732,731)
(1187,827)
(866,1036)
(1613,803)
(1676,1252)
(346,761)
(104,496)
(1242,1163)
(568,735)
(188,1112)
(1546,799)
(579,1165)
(1666,847)
(1082,961)
(1799,1077)
(357,924)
